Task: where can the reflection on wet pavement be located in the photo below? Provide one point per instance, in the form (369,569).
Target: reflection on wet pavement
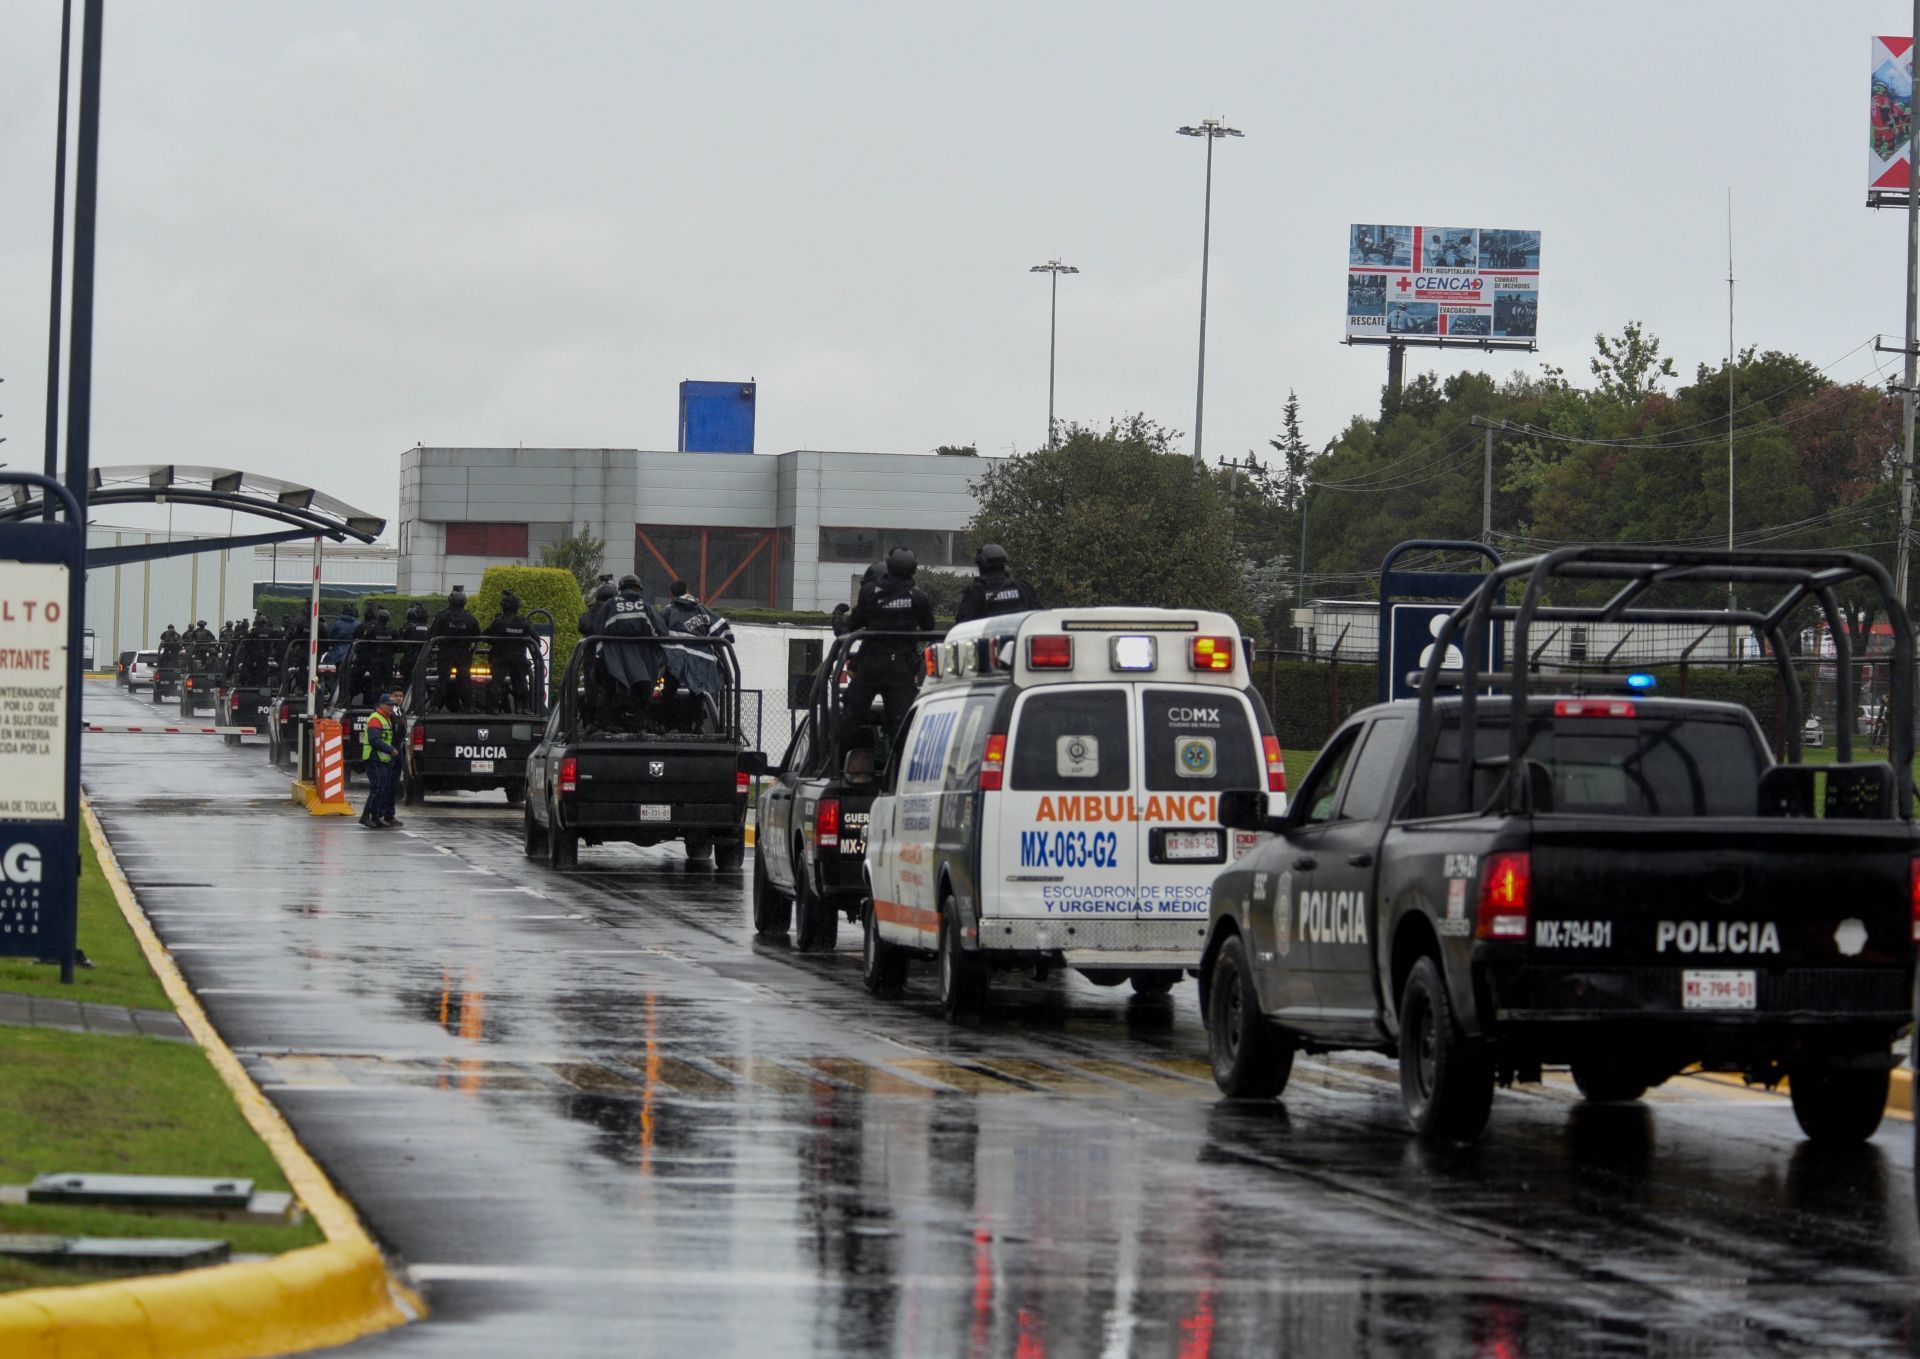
(595,1117)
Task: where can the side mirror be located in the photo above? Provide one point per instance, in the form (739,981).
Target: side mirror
(1246,809)
(753,762)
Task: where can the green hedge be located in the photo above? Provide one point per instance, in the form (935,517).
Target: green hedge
(1308,699)
(539,587)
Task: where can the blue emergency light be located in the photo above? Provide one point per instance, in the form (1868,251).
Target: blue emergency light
(1640,681)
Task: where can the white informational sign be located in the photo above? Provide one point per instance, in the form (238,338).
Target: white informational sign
(1462,283)
(34,728)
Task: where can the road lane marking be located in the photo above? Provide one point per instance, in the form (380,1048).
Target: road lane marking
(864,1076)
(966,1079)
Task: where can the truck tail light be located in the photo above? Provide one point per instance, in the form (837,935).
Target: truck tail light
(1506,882)
(569,774)
(283,715)
(931,657)
(993,764)
(1594,707)
(826,823)
(1913,892)
(1051,652)
(1212,655)
(742,783)
(1276,765)
(417,738)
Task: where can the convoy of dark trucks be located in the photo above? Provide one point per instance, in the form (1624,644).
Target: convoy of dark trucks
(1624,884)
(665,756)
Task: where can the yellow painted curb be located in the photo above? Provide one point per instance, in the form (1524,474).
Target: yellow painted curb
(306,795)
(1899,1089)
(302,1300)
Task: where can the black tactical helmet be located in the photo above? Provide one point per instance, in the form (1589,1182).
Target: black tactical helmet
(346,610)
(383,617)
(604,590)
(509,602)
(991,559)
(630,582)
(901,562)
(457,597)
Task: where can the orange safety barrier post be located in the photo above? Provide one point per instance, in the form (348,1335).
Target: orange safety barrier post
(327,794)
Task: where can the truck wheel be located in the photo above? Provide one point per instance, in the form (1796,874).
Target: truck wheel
(963,978)
(819,922)
(536,837)
(1604,1082)
(697,849)
(516,793)
(729,855)
(413,789)
(772,912)
(1154,983)
(563,845)
(1446,1080)
(883,966)
(231,740)
(1250,1060)
(1837,1104)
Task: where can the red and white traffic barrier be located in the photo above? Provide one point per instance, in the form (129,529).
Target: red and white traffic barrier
(124,728)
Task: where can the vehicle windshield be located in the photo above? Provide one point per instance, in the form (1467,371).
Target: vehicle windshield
(1654,765)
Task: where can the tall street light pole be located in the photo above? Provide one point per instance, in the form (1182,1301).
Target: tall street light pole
(1212,129)
(1055,268)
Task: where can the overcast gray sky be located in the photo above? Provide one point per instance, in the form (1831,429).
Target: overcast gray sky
(330,230)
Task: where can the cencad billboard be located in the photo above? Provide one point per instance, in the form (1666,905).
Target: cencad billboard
(1469,283)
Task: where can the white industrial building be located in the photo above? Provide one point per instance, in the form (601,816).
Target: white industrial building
(789,530)
(130,605)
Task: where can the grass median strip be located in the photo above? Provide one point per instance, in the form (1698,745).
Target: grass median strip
(118,1104)
(89,1102)
(119,975)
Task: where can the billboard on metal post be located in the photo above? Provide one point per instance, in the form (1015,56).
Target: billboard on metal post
(1472,284)
(1890,114)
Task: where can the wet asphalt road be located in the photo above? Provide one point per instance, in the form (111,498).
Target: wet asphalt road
(594,1117)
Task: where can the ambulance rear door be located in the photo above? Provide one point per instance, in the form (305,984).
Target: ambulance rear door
(1195,743)
(1067,847)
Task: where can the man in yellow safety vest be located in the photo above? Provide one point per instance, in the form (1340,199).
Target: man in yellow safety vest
(377,750)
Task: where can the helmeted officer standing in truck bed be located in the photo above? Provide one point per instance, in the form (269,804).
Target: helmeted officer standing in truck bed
(889,670)
(455,622)
(994,591)
(512,656)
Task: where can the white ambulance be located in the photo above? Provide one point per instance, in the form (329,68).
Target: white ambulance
(1054,799)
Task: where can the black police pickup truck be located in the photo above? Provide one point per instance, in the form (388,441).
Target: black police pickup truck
(202,678)
(247,686)
(810,835)
(1624,884)
(667,759)
(473,712)
(369,668)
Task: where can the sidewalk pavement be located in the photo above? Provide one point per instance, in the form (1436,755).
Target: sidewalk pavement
(75,1016)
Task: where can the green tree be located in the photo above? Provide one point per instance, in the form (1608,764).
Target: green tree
(1294,453)
(581,553)
(1629,365)
(1113,516)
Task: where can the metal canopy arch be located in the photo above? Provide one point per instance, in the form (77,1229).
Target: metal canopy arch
(306,512)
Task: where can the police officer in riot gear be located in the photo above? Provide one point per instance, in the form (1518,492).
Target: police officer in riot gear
(456,623)
(889,670)
(601,594)
(628,669)
(512,656)
(994,590)
(369,611)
